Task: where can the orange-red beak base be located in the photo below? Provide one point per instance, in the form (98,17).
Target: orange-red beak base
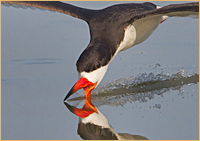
(82,83)
(84,112)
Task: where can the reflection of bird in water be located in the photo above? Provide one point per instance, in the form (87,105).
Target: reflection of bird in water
(94,125)
(113,29)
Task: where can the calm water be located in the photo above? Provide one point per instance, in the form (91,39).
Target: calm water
(150,90)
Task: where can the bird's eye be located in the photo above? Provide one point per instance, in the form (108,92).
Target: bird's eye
(98,64)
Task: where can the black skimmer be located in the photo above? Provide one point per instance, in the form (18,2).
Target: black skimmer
(113,29)
(93,125)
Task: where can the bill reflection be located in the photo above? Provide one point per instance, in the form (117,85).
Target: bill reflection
(94,125)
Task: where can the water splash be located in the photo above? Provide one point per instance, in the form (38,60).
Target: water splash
(141,88)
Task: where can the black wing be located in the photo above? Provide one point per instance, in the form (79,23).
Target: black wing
(187,9)
(57,6)
(178,10)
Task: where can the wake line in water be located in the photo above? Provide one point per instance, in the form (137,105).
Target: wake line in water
(144,82)
(140,88)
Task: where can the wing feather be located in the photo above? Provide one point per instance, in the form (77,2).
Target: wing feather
(77,12)
(180,10)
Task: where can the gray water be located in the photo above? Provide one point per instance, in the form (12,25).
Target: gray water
(151,89)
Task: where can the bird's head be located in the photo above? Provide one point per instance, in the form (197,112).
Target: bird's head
(91,66)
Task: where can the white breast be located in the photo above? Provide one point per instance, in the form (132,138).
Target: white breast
(129,38)
(96,119)
(139,31)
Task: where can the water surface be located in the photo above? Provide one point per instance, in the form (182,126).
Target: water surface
(151,89)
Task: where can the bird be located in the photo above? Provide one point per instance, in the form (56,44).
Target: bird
(113,29)
(93,125)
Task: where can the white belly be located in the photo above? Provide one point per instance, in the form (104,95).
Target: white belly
(139,31)
(129,38)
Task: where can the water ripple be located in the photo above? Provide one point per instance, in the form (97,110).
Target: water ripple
(140,88)
(37,61)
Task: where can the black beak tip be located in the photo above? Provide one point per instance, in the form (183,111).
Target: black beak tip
(66,97)
(69,94)
(71,108)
